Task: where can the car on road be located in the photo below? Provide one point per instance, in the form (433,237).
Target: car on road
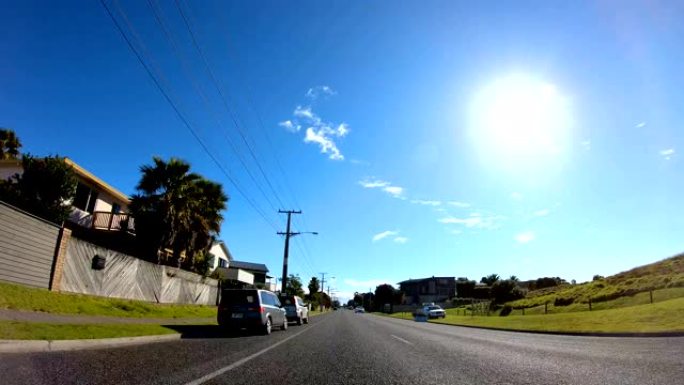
(252,309)
(359,309)
(295,309)
(433,311)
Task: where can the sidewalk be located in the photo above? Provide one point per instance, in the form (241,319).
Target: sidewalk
(34,316)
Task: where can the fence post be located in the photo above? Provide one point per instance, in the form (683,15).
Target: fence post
(546,307)
(523,309)
(59,258)
(650,294)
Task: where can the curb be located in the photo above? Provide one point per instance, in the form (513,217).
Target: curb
(557,333)
(33,346)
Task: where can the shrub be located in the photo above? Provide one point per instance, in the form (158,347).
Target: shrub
(505,311)
(561,301)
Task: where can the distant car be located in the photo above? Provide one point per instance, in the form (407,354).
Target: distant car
(359,309)
(256,310)
(295,309)
(434,311)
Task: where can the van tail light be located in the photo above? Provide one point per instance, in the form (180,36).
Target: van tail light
(261,310)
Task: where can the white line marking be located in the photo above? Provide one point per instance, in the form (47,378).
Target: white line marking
(402,340)
(237,363)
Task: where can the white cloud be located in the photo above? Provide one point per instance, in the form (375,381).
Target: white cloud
(640,125)
(394,191)
(525,237)
(667,153)
(387,187)
(475,220)
(542,213)
(516,196)
(315,92)
(459,204)
(586,144)
(456,231)
(375,183)
(401,240)
(326,144)
(426,202)
(307,114)
(383,235)
(370,283)
(290,126)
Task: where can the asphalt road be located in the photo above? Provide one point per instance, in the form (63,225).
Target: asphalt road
(347,348)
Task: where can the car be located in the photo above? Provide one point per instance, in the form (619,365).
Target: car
(252,309)
(434,311)
(295,309)
(359,309)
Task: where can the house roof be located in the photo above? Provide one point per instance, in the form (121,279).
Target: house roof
(423,279)
(82,173)
(248,266)
(91,178)
(224,247)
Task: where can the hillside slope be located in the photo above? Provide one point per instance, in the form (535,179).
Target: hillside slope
(668,273)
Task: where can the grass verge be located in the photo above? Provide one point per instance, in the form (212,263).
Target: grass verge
(33,299)
(665,316)
(10,330)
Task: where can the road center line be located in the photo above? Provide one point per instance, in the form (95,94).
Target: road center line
(240,362)
(401,339)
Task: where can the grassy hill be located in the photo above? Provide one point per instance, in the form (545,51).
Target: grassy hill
(665,277)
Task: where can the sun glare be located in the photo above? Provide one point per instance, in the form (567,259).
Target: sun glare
(519,119)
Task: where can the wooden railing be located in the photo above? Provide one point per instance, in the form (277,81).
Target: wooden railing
(103,220)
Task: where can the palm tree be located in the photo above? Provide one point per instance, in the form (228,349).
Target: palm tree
(9,144)
(177,209)
(514,278)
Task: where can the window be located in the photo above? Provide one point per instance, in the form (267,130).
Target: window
(223,263)
(116,208)
(91,202)
(81,197)
(265,298)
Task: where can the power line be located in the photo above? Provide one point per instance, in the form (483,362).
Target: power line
(179,114)
(217,84)
(204,98)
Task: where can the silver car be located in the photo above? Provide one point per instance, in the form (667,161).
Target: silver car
(258,310)
(295,309)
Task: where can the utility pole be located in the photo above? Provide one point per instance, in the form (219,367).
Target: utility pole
(287,235)
(323,282)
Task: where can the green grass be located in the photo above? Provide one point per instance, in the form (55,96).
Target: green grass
(25,298)
(11,330)
(665,316)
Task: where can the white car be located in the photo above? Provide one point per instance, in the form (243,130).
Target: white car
(359,309)
(434,311)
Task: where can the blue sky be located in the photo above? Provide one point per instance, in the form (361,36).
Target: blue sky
(533,139)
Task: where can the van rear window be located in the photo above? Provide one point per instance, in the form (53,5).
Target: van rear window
(239,297)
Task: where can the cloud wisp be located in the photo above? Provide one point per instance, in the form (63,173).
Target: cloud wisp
(319,132)
(372,183)
(401,240)
(315,92)
(525,237)
(433,203)
(667,153)
(475,220)
(384,234)
(463,205)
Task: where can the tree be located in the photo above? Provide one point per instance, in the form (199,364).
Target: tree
(384,294)
(504,291)
(465,288)
(358,298)
(490,279)
(177,210)
(45,188)
(514,278)
(313,286)
(294,286)
(9,144)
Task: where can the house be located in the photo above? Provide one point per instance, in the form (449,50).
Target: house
(247,274)
(96,204)
(220,255)
(433,289)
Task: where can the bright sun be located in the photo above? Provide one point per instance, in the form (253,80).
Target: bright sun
(519,119)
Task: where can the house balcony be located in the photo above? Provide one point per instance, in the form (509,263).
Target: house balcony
(102,220)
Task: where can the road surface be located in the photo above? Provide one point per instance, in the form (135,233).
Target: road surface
(347,348)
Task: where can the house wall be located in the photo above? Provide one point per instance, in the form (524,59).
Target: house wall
(27,247)
(218,253)
(132,278)
(105,202)
(6,170)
